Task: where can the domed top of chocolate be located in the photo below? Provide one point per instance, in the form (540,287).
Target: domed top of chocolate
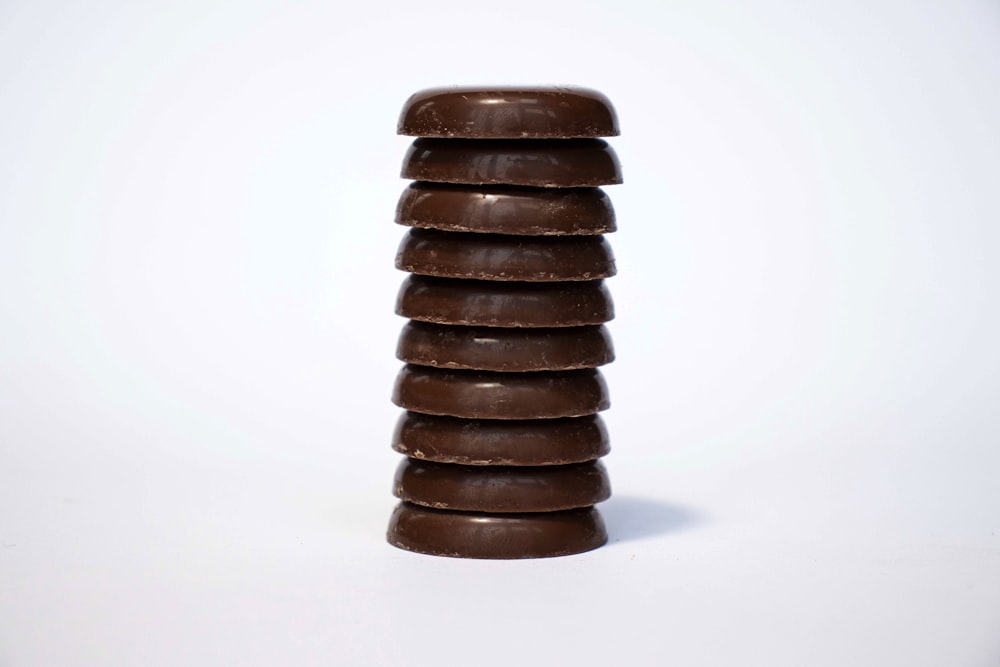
(508,112)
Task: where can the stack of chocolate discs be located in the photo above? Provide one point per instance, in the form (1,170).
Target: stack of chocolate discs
(507,305)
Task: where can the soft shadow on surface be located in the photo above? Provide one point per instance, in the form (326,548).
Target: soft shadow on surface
(631,518)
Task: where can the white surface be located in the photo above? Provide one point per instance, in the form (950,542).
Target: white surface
(196,336)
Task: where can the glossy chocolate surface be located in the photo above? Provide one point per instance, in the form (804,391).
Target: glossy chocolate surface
(554,163)
(500,209)
(504,304)
(431,252)
(498,536)
(501,488)
(489,395)
(508,112)
(505,349)
(529,442)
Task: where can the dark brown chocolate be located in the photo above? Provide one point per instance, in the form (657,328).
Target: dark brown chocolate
(508,112)
(507,302)
(431,252)
(530,442)
(489,395)
(498,536)
(504,349)
(554,163)
(504,304)
(500,209)
(501,488)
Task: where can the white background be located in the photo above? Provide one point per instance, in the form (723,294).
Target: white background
(196,335)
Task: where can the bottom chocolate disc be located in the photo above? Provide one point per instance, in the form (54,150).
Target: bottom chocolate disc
(498,536)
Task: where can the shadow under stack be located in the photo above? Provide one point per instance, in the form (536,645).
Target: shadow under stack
(507,305)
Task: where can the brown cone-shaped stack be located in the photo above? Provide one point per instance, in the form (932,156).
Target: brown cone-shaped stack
(507,305)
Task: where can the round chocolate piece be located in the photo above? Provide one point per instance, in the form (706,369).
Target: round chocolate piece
(501,488)
(504,304)
(554,163)
(508,112)
(529,442)
(488,395)
(431,252)
(499,536)
(504,349)
(500,209)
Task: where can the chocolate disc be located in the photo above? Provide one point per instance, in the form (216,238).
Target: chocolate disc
(508,112)
(530,442)
(501,488)
(488,395)
(553,163)
(500,536)
(504,209)
(431,252)
(504,304)
(504,349)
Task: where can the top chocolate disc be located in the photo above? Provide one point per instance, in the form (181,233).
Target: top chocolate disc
(508,112)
